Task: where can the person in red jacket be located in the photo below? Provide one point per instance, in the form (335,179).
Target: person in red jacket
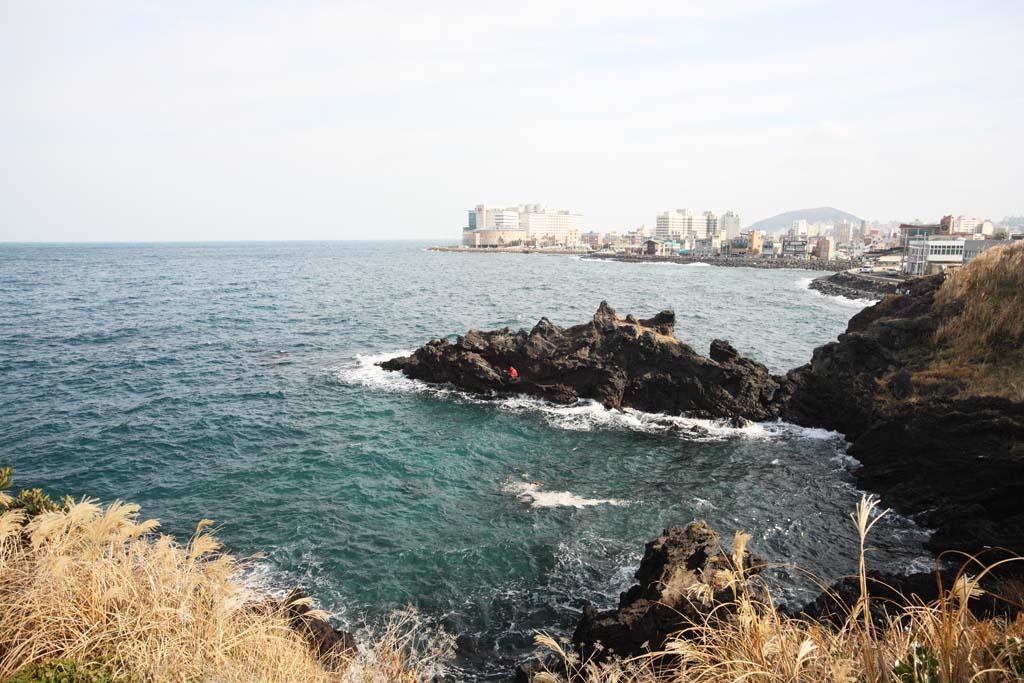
(513,373)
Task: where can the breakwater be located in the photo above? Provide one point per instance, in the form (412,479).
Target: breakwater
(733,262)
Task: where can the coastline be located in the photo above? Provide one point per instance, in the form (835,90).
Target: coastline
(736,262)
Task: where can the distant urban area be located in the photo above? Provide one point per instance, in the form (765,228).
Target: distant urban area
(822,235)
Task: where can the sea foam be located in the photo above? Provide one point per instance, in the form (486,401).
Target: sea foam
(534,494)
(585,415)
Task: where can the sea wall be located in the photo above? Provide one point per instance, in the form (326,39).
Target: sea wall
(733,262)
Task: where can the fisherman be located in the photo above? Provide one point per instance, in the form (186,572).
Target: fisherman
(513,373)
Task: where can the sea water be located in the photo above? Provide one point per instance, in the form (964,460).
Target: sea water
(238,382)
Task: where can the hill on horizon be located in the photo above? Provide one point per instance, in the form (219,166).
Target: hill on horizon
(822,214)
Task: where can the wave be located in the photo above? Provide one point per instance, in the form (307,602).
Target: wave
(533,493)
(584,416)
(804,284)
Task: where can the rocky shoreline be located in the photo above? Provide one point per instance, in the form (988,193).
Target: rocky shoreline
(732,262)
(854,286)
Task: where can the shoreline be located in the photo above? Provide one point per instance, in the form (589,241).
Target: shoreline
(732,262)
(727,262)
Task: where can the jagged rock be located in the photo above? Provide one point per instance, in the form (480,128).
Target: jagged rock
(324,640)
(619,362)
(681,580)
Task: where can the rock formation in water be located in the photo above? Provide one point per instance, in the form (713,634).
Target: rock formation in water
(619,362)
(683,578)
(855,286)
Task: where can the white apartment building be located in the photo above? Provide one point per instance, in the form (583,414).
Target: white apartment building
(798,228)
(563,227)
(534,221)
(484,217)
(681,224)
(730,222)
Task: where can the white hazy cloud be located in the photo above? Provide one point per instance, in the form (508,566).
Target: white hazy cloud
(307,120)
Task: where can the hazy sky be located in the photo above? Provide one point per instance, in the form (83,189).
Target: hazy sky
(153,120)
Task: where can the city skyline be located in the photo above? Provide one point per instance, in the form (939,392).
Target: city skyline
(333,121)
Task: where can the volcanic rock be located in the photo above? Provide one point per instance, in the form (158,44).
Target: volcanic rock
(683,578)
(621,363)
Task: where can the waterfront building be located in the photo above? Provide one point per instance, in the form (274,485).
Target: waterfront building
(794,247)
(493,238)
(540,225)
(730,222)
(557,226)
(682,223)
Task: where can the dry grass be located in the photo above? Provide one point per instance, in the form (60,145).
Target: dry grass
(96,584)
(940,642)
(987,301)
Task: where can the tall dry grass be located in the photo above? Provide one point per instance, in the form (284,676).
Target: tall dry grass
(986,298)
(96,584)
(937,642)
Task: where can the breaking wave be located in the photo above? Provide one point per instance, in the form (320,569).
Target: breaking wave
(804,284)
(584,415)
(533,493)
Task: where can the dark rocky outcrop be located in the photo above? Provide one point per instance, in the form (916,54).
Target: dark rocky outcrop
(619,362)
(681,580)
(325,641)
(956,463)
(855,286)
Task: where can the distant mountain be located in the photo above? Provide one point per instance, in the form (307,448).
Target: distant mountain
(823,214)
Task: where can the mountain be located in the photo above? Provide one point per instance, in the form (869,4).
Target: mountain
(823,214)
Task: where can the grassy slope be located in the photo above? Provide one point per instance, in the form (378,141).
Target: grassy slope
(979,344)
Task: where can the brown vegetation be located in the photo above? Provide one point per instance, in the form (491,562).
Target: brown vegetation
(937,642)
(980,341)
(95,585)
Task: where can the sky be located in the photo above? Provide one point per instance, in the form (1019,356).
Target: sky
(158,121)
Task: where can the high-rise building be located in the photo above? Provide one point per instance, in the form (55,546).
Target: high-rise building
(545,224)
(682,224)
(534,221)
(730,222)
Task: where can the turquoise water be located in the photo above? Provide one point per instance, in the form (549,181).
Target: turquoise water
(236,382)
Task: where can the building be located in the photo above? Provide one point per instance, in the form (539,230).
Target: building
(730,222)
(749,243)
(541,227)
(926,256)
(823,248)
(594,240)
(794,247)
(551,226)
(683,224)
(798,228)
(493,238)
(844,231)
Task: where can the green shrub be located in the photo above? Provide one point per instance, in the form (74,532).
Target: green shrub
(67,671)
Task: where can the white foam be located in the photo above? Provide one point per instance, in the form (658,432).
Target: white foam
(534,494)
(583,416)
(804,283)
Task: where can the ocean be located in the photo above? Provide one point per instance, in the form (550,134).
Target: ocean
(237,382)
